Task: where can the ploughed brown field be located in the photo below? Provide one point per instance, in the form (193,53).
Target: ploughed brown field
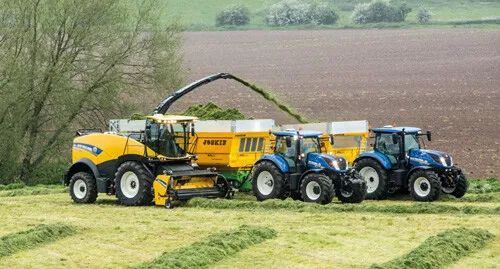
(443,80)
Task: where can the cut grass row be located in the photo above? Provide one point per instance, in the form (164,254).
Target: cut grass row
(441,250)
(212,249)
(34,237)
(298,206)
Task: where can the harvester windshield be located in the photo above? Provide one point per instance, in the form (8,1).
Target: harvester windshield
(168,135)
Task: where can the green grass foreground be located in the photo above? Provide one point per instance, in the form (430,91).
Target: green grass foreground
(212,249)
(441,250)
(34,237)
(23,190)
(298,206)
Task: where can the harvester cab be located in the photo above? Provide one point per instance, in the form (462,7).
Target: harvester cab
(140,166)
(299,169)
(398,161)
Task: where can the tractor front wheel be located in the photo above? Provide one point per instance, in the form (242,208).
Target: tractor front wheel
(317,188)
(459,186)
(425,185)
(82,188)
(133,184)
(375,176)
(268,181)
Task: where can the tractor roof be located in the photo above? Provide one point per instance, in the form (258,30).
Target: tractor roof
(391,129)
(171,119)
(290,132)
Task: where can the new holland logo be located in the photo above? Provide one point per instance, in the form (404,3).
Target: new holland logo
(419,160)
(92,149)
(214,142)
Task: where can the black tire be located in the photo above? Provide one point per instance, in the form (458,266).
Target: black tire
(317,188)
(133,184)
(296,195)
(460,186)
(425,185)
(268,181)
(377,186)
(353,190)
(83,188)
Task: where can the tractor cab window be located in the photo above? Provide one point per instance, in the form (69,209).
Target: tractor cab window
(283,150)
(385,145)
(310,144)
(411,142)
(162,139)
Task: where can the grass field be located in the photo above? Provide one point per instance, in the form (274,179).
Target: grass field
(199,15)
(113,236)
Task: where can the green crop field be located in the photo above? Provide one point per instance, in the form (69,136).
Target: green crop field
(199,15)
(271,234)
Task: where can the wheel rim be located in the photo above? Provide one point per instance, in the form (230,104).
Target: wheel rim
(313,190)
(80,189)
(129,184)
(370,175)
(265,183)
(448,190)
(422,186)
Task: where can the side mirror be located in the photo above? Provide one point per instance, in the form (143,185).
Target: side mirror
(394,138)
(429,135)
(192,129)
(331,139)
(288,141)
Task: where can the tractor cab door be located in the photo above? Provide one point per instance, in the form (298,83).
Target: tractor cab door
(288,151)
(384,144)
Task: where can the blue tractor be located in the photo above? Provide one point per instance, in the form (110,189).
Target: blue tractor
(398,162)
(299,170)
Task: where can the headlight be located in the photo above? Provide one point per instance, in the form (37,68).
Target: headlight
(334,164)
(443,162)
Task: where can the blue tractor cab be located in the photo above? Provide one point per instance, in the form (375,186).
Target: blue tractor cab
(299,170)
(399,162)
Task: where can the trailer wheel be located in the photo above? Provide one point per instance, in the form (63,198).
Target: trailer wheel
(459,188)
(425,185)
(267,181)
(375,176)
(133,184)
(83,188)
(317,188)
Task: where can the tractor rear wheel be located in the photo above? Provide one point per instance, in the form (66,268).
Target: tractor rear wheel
(268,181)
(133,184)
(459,188)
(425,185)
(317,188)
(375,176)
(83,188)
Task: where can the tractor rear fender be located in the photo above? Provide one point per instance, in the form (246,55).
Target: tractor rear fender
(379,157)
(277,160)
(82,165)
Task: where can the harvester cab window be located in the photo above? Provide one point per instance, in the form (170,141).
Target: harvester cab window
(161,138)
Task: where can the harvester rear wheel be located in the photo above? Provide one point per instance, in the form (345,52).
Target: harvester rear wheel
(317,188)
(425,185)
(267,181)
(375,176)
(133,184)
(83,188)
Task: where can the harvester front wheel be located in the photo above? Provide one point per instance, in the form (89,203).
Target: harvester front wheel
(317,188)
(82,188)
(267,181)
(133,184)
(375,176)
(425,185)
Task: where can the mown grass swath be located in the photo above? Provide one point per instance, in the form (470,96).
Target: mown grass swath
(214,248)
(32,190)
(290,205)
(441,250)
(34,237)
